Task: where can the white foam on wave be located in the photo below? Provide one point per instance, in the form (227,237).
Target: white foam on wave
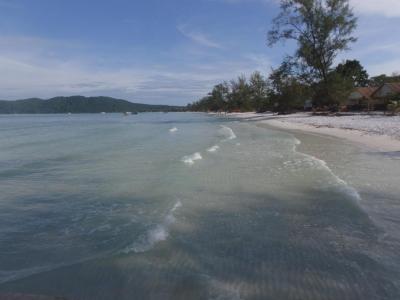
(213,149)
(176,206)
(172,130)
(100,228)
(344,186)
(157,234)
(191,159)
(228,132)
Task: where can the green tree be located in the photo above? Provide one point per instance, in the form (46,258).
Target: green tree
(322,29)
(343,79)
(287,93)
(259,93)
(381,79)
(219,97)
(353,70)
(339,87)
(239,97)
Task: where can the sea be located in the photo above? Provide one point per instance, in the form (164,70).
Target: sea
(193,206)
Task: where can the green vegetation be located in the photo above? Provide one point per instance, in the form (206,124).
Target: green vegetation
(394,107)
(381,79)
(283,91)
(322,29)
(237,96)
(352,71)
(78,104)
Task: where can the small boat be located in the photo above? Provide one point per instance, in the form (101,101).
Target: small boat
(127,113)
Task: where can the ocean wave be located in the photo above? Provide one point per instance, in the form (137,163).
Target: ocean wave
(191,159)
(6,276)
(228,132)
(101,228)
(220,290)
(172,130)
(344,186)
(323,165)
(12,275)
(157,234)
(176,206)
(213,149)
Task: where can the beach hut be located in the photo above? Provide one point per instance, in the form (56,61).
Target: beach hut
(361,98)
(385,92)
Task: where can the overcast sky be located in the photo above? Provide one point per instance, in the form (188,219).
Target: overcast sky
(159,51)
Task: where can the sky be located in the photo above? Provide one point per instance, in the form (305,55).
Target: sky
(160,51)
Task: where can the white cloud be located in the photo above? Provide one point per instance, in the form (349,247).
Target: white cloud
(388,8)
(389,48)
(262,62)
(198,37)
(27,69)
(387,67)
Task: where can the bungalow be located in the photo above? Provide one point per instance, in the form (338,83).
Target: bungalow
(361,98)
(372,97)
(387,90)
(384,93)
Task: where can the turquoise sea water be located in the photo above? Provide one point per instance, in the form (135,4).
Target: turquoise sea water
(190,206)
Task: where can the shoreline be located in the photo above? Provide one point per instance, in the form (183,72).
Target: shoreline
(355,164)
(381,143)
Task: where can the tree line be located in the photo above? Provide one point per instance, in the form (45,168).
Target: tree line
(321,29)
(281,92)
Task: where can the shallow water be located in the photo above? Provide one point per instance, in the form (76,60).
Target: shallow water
(188,206)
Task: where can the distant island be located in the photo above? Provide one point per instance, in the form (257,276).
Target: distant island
(79,104)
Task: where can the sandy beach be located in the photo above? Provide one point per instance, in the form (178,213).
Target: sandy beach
(378,132)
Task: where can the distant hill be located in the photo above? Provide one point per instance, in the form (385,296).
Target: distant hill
(78,104)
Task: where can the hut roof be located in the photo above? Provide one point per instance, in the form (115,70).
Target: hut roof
(393,86)
(366,92)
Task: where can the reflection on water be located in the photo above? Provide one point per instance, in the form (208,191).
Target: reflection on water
(184,206)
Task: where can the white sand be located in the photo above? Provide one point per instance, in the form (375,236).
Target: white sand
(374,131)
